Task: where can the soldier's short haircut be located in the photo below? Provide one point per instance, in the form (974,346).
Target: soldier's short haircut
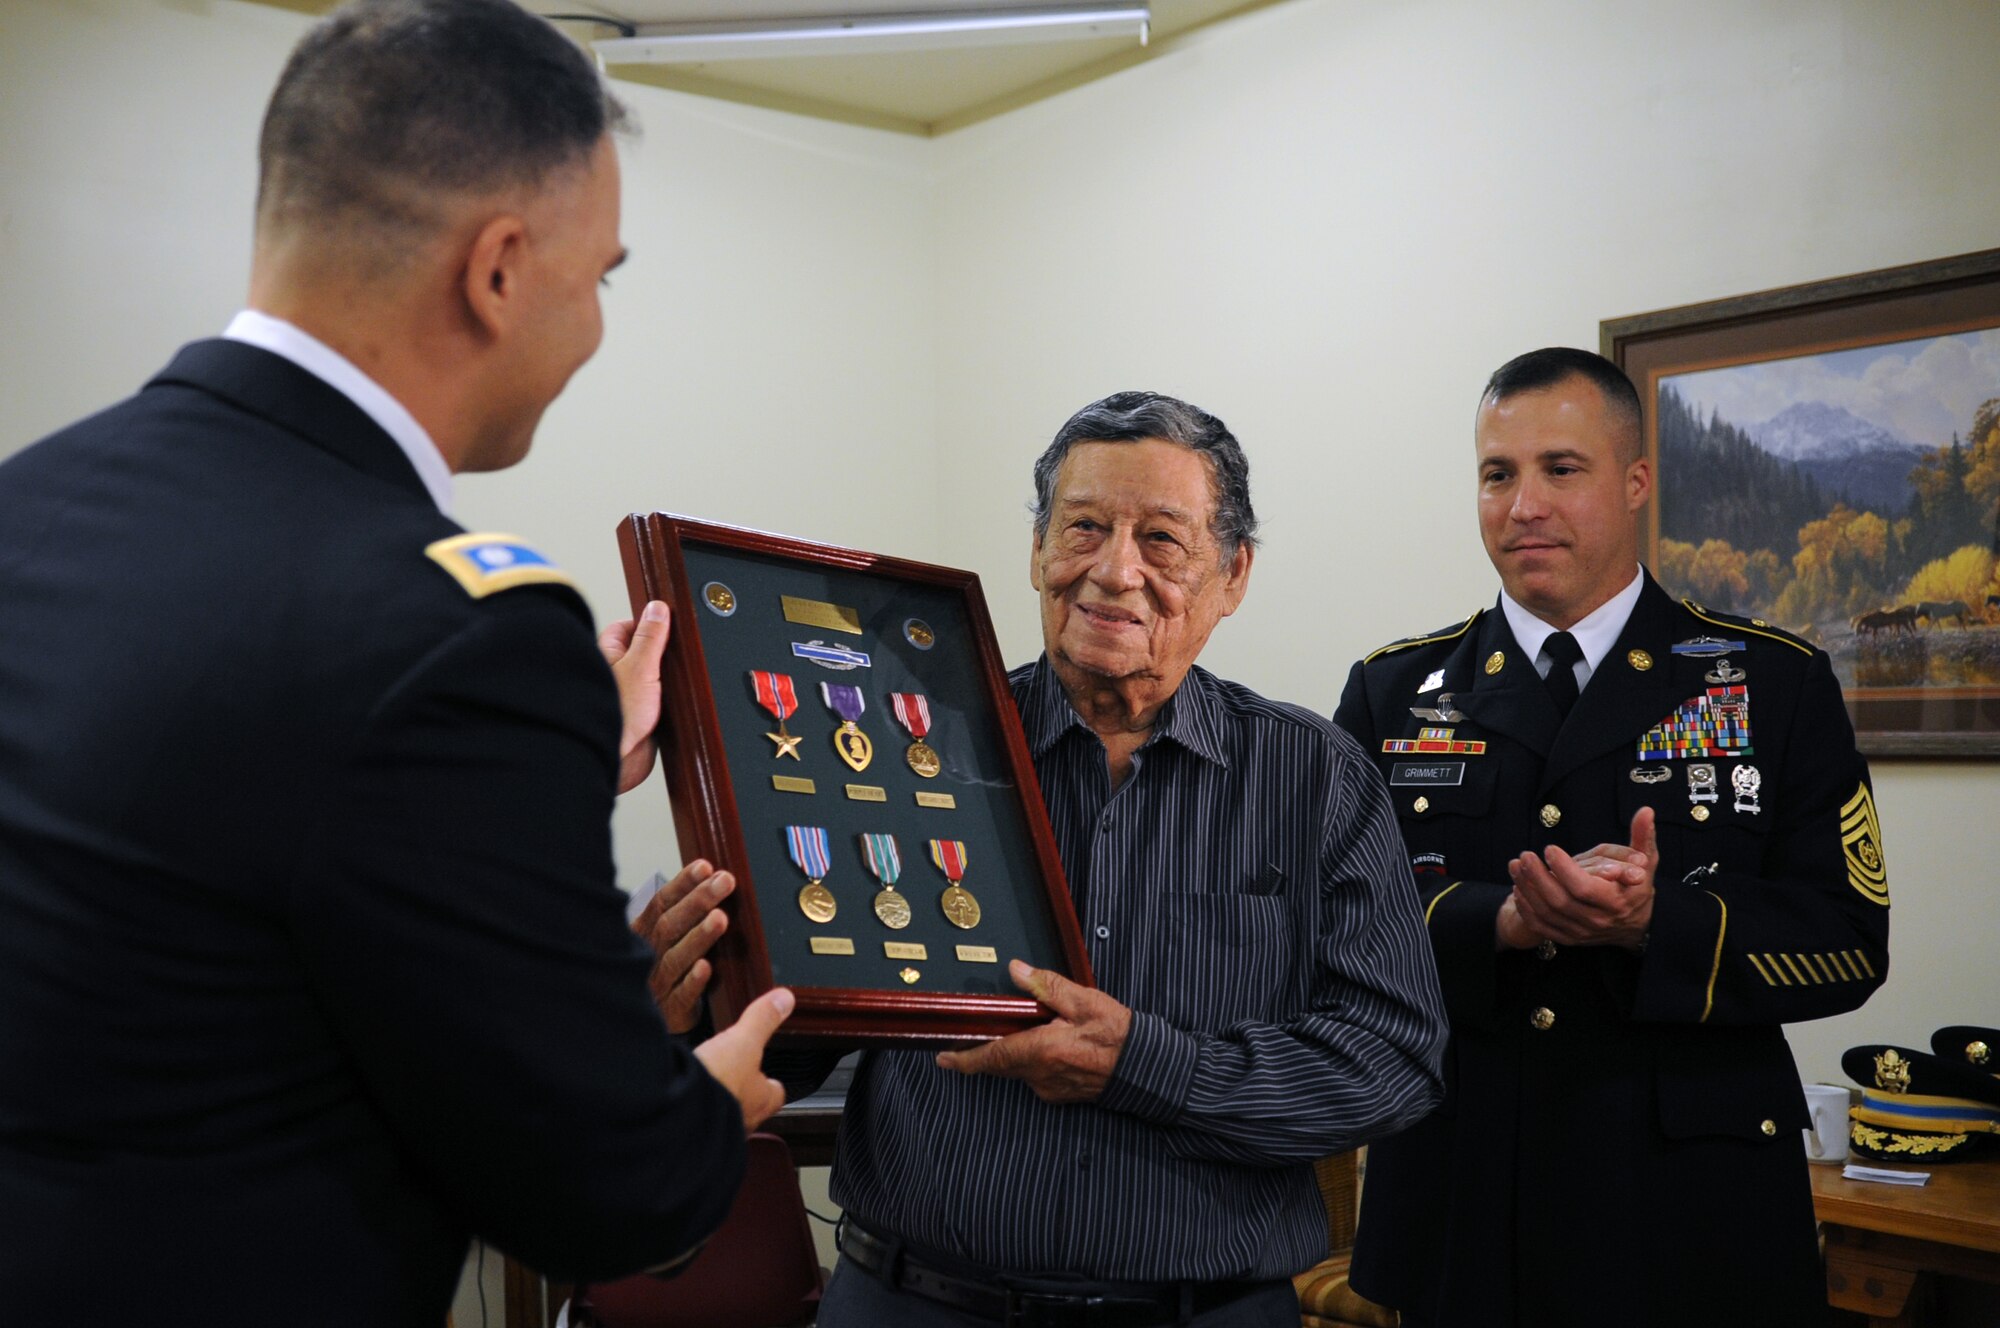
(1551,365)
(389,110)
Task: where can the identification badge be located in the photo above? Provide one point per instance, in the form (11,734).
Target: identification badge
(1427,773)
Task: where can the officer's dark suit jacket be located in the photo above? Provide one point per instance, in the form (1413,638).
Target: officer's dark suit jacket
(311,960)
(1637,1160)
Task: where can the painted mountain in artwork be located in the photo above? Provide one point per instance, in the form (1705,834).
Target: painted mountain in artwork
(1843,453)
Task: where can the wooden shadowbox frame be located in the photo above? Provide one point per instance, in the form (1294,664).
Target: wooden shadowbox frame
(704,790)
(1921,299)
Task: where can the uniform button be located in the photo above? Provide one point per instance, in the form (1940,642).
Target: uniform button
(1543,1019)
(1547,949)
(1769,1128)
(1699,813)
(1103,932)
(1551,815)
(1421,805)
(1105,824)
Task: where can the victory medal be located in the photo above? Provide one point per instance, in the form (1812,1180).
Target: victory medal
(914,713)
(960,908)
(775,694)
(809,855)
(845,699)
(887,864)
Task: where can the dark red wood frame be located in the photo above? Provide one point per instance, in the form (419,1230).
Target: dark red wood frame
(709,826)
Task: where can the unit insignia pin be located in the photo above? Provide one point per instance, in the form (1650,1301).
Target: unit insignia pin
(1432,681)
(1639,659)
(1495,662)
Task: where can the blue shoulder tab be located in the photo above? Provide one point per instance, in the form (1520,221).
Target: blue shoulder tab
(485,563)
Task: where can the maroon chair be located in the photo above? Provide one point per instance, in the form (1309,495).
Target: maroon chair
(759,1270)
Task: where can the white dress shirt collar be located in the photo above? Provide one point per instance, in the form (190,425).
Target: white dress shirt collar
(325,363)
(1595,633)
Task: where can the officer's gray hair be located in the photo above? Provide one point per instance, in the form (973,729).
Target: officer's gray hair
(1130,417)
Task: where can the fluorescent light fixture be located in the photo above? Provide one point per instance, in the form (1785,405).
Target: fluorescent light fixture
(702,43)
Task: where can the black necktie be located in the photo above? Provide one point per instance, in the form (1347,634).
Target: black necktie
(1563,653)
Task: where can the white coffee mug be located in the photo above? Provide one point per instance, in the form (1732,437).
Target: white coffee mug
(1826,1141)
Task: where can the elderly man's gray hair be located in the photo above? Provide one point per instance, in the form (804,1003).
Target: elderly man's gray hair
(1129,417)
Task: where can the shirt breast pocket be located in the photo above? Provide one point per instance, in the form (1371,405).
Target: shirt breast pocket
(1229,959)
(1446,818)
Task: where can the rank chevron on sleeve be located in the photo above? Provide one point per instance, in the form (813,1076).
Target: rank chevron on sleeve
(1861,842)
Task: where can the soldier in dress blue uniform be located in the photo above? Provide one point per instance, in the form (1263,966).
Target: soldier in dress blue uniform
(1644,841)
(311,958)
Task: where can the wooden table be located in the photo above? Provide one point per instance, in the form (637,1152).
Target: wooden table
(1885,1243)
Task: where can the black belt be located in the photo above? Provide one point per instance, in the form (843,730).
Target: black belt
(1106,1305)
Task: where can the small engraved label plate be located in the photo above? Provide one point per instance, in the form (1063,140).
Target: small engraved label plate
(792,784)
(977,954)
(832,945)
(904,950)
(936,800)
(867,793)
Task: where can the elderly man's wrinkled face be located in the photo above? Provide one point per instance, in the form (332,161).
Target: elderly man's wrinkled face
(1131,576)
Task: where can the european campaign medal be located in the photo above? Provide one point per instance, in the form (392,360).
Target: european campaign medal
(808,846)
(845,699)
(913,712)
(960,908)
(775,694)
(887,864)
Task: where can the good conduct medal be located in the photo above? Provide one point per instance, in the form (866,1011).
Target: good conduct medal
(914,713)
(775,694)
(960,908)
(808,846)
(845,699)
(887,864)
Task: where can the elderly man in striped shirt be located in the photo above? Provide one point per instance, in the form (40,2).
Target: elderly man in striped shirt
(1266,991)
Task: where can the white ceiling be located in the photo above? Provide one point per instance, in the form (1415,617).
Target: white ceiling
(928,92)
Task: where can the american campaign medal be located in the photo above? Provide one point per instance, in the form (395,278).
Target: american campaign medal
(721,600)
(1494,662)
(831,657)
(919,634)
(1639,659)
(1651,774)
(845,700)
(887,864)
(808,848)
(913,712)
(1701,784)
(960,908)
(1746,781)
(775,694)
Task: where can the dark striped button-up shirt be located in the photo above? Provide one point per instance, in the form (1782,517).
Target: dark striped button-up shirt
(1246,892)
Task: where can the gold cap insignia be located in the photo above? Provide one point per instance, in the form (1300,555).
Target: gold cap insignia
(1976,1052)
(1892,1072)
(1494,662)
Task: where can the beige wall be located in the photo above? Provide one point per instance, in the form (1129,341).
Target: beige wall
(1327,222)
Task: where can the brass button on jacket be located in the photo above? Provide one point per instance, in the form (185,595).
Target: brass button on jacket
(1551,815)
(1769,1128)
(1543,1019)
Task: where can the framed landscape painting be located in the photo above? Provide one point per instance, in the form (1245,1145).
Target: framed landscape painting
(1827,459)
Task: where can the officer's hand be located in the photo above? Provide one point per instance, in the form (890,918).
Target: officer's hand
(1627,864)
(1577,907)
(634,651)
(1511,931)
(735,1057)
(682,923)
(1067,1060)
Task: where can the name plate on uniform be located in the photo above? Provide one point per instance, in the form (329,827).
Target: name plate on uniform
(1428,773)
(796,670)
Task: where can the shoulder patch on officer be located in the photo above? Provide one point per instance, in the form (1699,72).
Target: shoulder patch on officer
(486,563)
(1861,841)
(1448,634)
(1755,626)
